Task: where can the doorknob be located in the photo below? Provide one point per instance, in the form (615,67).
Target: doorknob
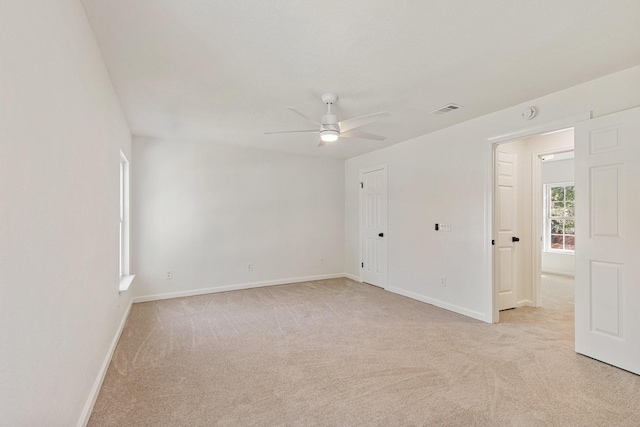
(380,234)
(515,239)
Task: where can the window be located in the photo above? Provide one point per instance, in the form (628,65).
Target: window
(125,278)
(560,218)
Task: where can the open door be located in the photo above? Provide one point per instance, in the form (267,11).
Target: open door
(607,289)
(506,218)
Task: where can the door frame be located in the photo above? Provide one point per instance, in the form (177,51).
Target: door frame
(491,143)
(381,166)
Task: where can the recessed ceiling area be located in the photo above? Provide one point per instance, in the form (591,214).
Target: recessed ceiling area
(225,71)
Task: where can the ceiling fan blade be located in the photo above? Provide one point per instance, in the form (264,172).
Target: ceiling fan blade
(294,131)
(303,116)
(356,122)
(355,133)
(321,143)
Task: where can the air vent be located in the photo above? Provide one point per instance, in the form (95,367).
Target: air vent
(446,109)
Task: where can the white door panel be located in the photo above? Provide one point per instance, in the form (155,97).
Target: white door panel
(607,161)
(506,220)
(374,227)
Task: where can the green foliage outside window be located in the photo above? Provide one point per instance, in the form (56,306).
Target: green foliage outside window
(561,222)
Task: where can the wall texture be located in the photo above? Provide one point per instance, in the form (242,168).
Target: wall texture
(442,177)
(61,131)
(205,211)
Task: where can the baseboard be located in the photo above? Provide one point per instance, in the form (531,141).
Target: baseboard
(441,304)
(203,291)
(352,277)
(558,272)
(95,390)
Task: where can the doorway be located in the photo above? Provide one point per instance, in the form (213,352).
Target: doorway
(534,215)
(531,146)
(606,177)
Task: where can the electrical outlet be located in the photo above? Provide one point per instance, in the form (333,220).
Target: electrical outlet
(249,267)
(443,281)
(168,275)
(321,261)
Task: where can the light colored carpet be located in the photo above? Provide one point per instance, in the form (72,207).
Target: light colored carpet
(338,352)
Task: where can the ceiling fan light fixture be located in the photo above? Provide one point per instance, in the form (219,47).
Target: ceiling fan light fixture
(329,135)
(331,129)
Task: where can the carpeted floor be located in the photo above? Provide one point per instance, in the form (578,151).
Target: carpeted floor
(338,352)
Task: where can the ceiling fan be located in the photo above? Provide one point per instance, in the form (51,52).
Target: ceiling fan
(330,129)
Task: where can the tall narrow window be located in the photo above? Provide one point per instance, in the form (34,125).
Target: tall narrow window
(560,218)
(122,163)
(125,277)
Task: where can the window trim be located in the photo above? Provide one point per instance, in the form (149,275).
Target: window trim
(125,278)
(547,219)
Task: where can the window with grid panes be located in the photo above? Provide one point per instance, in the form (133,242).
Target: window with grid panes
(560,218)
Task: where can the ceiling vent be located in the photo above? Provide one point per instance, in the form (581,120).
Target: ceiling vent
(446,109)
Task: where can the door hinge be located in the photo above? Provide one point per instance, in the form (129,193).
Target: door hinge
(362,265)
(362,185)
(493,242)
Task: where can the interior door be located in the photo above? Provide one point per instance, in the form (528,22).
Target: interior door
(608,239)
(374,226)
(506,215)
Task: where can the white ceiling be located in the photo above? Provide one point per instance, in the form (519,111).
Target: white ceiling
(225,71)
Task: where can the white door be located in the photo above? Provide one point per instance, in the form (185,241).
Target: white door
(608,239)
(506,216)
(373,204)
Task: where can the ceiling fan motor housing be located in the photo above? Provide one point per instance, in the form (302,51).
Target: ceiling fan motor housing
(330,129)
(330,119)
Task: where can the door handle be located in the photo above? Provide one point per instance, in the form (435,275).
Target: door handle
(515,239)
(380,234)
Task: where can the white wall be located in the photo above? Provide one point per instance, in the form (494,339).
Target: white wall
(205,210)
(442,177)
(61,130)
(553,172)
(557,171)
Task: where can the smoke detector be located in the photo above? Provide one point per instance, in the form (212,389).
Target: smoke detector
(529,113)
